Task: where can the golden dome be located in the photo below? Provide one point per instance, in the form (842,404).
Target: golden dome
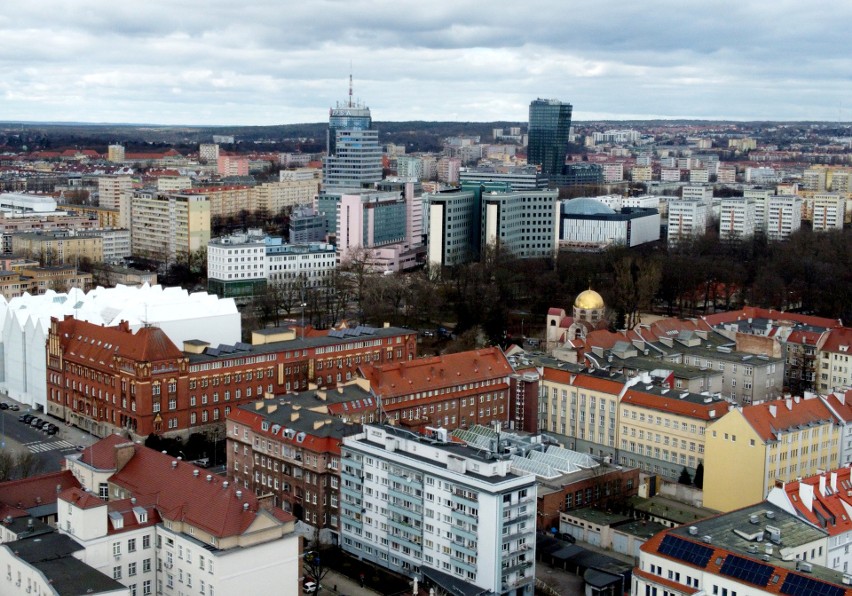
(589,300)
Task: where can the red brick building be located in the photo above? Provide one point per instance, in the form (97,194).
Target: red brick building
(104,379)
(453,391)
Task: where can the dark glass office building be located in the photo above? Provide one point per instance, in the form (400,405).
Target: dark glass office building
(550,123)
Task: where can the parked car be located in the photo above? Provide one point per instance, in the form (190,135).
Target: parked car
(4,406)
(52,430)
(14,407)
(309,587)
(25,418)
(36,422)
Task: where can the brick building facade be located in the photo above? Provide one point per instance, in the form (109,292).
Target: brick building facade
(104,379)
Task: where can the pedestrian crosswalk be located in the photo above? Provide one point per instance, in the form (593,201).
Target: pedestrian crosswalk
(40,447)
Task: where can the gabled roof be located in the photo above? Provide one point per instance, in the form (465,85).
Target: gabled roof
(753,312)
(183,491)
(101,455)
(88,342)
(829,510)
(838,340)
(423,374)
(36,491)
(82,499)
(670,402)
(770,418)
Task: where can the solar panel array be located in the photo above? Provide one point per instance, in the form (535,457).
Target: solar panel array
(800,585)
(352,332)
(686,551)
(747,570)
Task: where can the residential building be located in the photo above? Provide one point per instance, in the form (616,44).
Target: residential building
(452,390)
(760,549)
(226,201)
(783,216)
(59,247)
(641,173)
(115,153)
(700,192)
(827,211)
(822,501)
(273,197)
(173,182)
(699,175)
(157,523)
(737,220)
(281,450)
(169,227)
(112,188)
(687,220)
(409,167)
(232,165)
(236,264)
(448,170)
(771,442)
(833,368)
(726,175)
(549,127)
(209,153)
(46,562)
(454,517)
(814,180)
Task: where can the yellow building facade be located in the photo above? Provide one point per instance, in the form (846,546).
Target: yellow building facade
(751,448)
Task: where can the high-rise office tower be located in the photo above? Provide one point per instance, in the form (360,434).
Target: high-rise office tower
(550,124)
(354,160)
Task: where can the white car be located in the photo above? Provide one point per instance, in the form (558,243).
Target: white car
(309,587)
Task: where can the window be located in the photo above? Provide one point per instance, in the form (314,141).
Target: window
(116,572)
(131,569)
(146,542)
(131,545)
(146,588)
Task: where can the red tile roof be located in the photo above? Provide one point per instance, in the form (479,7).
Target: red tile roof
(670,403)
(829,505)
(753,312)
(423,374)
(82,499)
(556,312)
(36,490)
(101,455)
(787,414)
(838,340)
(87,342)
(661,581)
(183,491)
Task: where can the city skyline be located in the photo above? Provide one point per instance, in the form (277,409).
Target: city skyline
(217,63)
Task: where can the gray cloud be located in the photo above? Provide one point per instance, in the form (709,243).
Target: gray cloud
(268,61)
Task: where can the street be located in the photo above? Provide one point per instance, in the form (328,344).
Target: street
(16,436)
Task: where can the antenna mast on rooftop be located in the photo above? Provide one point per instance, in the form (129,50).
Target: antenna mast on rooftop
(350,83)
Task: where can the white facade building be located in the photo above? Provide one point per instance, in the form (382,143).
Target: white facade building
(783,216)
(737,220)
(439,511)
(165,526)
(827,211)
(25,321)
(687,219)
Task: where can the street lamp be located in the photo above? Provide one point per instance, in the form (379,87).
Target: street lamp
(304,304)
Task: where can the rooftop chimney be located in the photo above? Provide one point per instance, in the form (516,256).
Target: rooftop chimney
(773,410)
(822,484)
(789,403)
(834,481)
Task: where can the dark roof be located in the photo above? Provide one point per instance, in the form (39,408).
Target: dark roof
(451,584)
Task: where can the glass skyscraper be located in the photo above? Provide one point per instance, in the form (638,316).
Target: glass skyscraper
(550,124)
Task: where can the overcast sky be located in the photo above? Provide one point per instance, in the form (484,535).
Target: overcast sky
(279,61)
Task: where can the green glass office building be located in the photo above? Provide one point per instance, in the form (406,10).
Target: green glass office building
(550,124)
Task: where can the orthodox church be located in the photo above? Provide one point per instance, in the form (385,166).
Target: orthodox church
(589,313)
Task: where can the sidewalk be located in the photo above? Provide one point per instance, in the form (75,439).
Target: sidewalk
(345,586)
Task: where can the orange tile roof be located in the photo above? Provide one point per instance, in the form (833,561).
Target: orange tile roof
(180,494)
(788,413)
(681,589)
(838,340)
(423,374)
(829,505)
(671,404)
(36,490)
(87,342)
(101,455)
(754,312)
(82,499)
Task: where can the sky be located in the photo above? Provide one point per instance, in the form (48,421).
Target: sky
(266,62)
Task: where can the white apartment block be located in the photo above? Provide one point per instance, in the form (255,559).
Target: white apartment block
(640,173)
(726,175)
(737,219)
(700,192)
(439,511)
(209,152)
(827,210)
(613,172)
(167,226)
(173,183)
(669,175)
(111,189)
(116,243)
(699,175)
(275,196)
(238,257)
(311,263)
(687,219)
(783,216)
(300,174)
